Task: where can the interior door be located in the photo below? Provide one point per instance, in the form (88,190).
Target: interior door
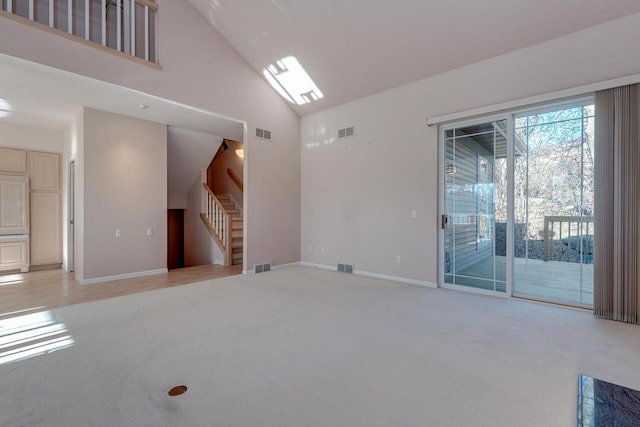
(475,206)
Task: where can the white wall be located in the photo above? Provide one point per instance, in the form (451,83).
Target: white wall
(201,69)
(358,193)
(32,138)
(125,187)
(199,246)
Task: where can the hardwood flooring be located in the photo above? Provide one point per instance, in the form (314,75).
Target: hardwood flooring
(54,288)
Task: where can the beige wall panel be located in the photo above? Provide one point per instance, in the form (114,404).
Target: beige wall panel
(45,171)
(45,229)
(14,204)
(13,161)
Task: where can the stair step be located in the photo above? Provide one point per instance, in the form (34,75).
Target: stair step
(237,256)
(222,197)
(237,225)
(236,234)
(236,262)
(236,244)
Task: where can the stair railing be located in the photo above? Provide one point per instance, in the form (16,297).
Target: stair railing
(218,221)
(134,21)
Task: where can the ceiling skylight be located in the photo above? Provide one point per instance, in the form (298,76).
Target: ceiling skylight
(292,82)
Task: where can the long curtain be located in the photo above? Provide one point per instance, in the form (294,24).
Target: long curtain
(617,204)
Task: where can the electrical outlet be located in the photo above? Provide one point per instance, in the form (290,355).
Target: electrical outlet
(118,232)
(398,259)
(414,213)
(321,251)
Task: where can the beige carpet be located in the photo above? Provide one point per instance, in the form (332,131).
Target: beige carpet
(306,347)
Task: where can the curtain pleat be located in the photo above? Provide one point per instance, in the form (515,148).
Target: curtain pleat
(617,204)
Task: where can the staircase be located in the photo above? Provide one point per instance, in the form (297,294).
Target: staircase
(225,224)
(237,227)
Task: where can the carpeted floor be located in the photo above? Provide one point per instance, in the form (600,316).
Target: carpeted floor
(307,347)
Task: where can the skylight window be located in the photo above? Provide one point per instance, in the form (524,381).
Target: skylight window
(292,82)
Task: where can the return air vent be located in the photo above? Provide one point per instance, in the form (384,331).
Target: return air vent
(263,134)
(261,268)
(345,268)
(346,132)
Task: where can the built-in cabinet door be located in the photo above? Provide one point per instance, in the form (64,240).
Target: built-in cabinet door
(45,229)
(14,253)
(45,171)
(14,204)
(13,161)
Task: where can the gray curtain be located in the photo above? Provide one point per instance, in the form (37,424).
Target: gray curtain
(616,290)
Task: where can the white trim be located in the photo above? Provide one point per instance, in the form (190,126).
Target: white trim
(532,100)
(320,266)
(121,276)
(374,275)
(283,266)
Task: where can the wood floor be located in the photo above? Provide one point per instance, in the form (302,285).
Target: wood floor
(55,288)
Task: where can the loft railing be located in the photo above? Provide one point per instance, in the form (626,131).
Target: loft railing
(127,26)
(568,238)
(218,221)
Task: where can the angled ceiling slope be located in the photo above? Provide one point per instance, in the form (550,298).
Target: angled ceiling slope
(353,49)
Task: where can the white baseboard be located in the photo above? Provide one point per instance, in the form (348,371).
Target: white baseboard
(375,275)
(283,266)
(120,276)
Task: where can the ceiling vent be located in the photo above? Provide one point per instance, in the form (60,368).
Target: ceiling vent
(263,134)
(346,132)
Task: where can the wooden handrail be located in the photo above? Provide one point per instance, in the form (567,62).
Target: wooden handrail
(235,179)
(151,5)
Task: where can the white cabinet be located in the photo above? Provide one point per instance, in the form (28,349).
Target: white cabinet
(14,204)
(45,229)
(13,161)
(14,253)
(45,171)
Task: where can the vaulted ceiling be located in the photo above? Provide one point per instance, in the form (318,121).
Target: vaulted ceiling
(355,48)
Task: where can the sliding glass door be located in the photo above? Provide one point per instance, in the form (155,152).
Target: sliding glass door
(553,205)
(474,219)
(517,204)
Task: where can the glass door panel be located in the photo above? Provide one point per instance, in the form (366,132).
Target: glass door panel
(553,205)
(475,206)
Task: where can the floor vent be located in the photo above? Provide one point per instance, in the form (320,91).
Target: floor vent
(346,132)
(261,268)
(345,268)
(263,134)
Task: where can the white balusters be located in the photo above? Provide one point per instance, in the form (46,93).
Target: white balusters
(70,16)
(51,13)
(87,16)
(146,33)
(104,22)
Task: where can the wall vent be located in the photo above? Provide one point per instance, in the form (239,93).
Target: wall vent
(346,132)
(263,134)
(261,268)
(345,268)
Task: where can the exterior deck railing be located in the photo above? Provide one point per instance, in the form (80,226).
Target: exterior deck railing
(568,238)
(127,26)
